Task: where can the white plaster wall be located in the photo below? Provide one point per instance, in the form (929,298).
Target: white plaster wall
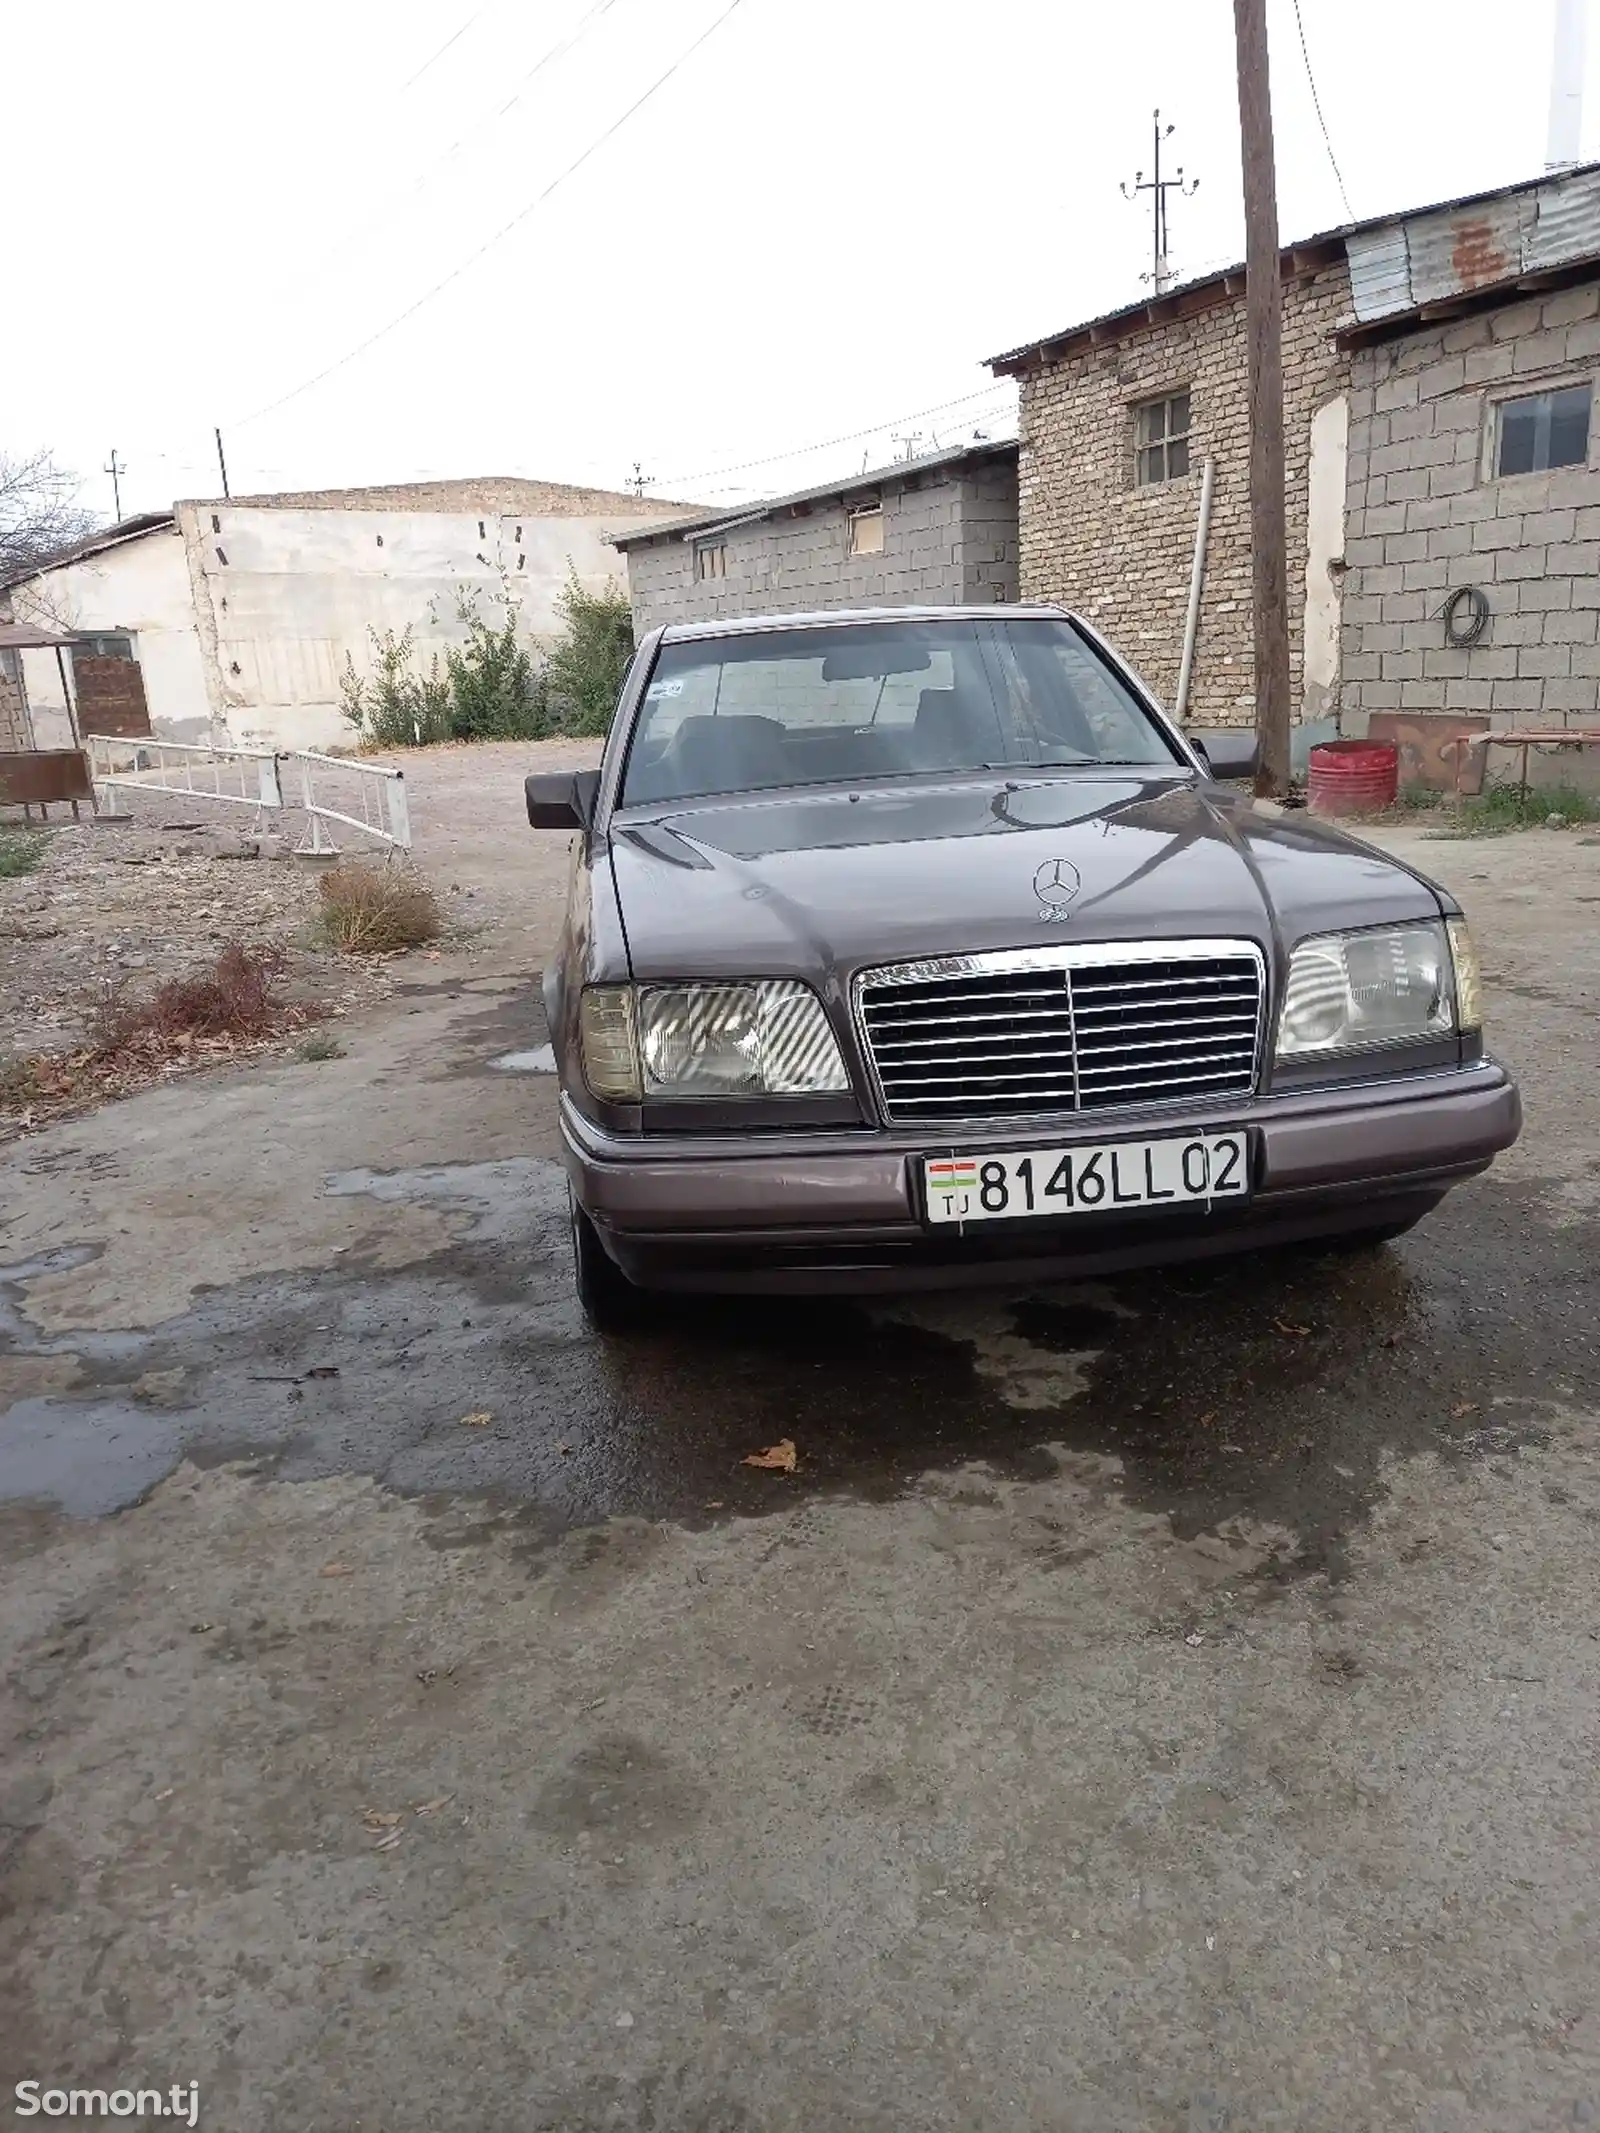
(1330,449)
(141,587)
(243,617)
(290,593)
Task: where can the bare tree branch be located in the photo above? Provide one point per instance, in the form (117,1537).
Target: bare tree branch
(38,514)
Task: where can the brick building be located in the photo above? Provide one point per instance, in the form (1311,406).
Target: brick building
(941,529)
(1117,420)
(1438,376)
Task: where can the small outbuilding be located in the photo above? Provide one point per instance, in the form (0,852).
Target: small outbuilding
(940,529)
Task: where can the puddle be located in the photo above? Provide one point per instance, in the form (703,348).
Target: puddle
(542,1060)
(1273,1391)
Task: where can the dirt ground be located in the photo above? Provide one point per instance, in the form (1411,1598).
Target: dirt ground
(1131,1715)
(122,902)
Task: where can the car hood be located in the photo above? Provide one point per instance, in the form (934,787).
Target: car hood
(831,881)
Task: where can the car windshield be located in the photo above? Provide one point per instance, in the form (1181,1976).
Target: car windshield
(843,703)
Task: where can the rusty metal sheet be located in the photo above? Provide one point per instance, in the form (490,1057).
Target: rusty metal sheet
(1426,758)
(38,775)
(1489,243)
(1469,248)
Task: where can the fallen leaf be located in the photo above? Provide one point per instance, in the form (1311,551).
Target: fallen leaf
(376,1818)
(335,1570)
(388,1843)
(1291,1332)
(1466,1407)
(715,1504)
(431,1807)
(478,1420)
(1208,1418)
(778,1458)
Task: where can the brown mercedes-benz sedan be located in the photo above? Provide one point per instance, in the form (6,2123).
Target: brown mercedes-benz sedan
(917,948)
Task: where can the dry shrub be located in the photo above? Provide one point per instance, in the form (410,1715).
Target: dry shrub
(236,1001)
(209,1018)
(376,910)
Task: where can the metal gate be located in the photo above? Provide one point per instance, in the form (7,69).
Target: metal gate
(367,797)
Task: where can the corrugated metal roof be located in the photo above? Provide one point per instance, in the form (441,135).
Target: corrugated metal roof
(1380,271)
(707,522)
(1429,258)
(1566,221)
(1538,224)
(127,529)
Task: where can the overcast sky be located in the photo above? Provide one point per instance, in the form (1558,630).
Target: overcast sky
(817,225)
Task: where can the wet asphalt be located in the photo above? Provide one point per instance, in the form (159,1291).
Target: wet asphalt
(1272,1388)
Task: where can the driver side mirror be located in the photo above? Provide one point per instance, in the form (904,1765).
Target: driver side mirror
(561,799)
(1228,751)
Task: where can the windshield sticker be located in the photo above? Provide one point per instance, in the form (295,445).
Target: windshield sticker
(665,688)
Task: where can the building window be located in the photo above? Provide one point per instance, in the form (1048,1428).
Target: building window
(1544,430)
(711,560)
(864,531)
(111,646)
(1161,439)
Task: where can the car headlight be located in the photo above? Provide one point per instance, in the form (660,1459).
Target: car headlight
(765,1037)
(1351,992)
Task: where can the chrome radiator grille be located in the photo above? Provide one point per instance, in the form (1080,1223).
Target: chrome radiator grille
(1095,1028)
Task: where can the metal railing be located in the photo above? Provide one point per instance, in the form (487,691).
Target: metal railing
(244,777)
(377,791)
(367,797)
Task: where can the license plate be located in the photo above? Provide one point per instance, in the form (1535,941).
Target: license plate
(1087,1180)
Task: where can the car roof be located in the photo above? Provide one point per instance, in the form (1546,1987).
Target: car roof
(840,617)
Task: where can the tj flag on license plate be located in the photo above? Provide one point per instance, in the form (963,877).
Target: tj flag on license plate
(956,1175)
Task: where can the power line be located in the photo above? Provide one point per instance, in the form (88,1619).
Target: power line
(454,38)
(875,429)
(1316,101)
(489,243)
(424,178)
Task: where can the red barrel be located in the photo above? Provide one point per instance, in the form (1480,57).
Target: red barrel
(1353,777)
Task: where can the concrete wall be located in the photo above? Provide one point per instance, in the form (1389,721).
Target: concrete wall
(1426,514)
(949,537)
(1121,554)
(141,587)
(243,618)
(283,596)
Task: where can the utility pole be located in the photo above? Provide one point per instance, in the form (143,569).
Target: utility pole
(1158,187)
(116,472)
(640,480)
(1264,336)
(222,463)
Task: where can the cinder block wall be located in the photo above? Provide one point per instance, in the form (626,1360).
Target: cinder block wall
(947,538)
(1425,514)
(1121,555)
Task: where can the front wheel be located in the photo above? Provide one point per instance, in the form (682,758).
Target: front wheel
(610,1301)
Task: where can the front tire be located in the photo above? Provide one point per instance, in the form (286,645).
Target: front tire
(609,1300)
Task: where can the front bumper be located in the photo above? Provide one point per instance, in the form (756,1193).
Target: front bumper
(836,1210)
